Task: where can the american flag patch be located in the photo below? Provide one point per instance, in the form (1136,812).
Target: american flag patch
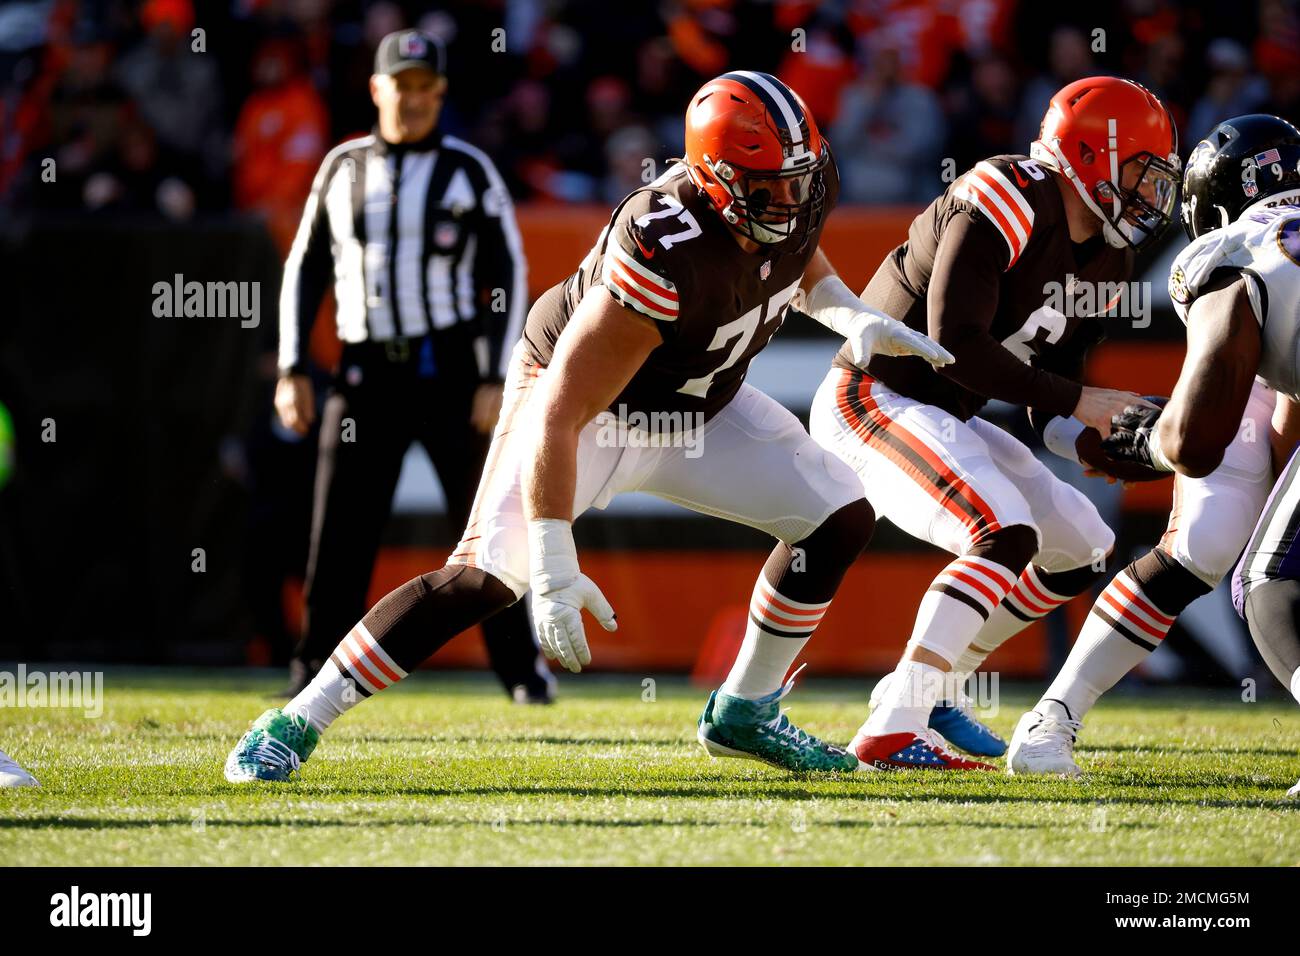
(1266,157)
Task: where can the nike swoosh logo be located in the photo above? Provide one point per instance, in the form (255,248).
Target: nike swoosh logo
(648,253)
(1022,183)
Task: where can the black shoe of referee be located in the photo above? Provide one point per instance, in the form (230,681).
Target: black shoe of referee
(534,692)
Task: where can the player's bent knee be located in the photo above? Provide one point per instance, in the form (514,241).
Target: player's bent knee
(1272,612)
(480,592)
(1012,546)
(1169,585)
(1210,557)
(843,536)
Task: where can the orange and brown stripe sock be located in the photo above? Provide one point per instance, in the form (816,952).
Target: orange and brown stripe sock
(791,596)
(1129,620)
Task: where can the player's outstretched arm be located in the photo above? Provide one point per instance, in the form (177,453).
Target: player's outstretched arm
(824,296)
(1194,429)
(596,355)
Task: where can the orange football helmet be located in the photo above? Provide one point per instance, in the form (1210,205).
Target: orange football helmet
(753,148)
(1117,144)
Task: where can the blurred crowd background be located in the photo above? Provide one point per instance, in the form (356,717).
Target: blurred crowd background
(571,96)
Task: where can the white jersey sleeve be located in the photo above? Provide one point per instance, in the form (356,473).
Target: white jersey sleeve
(1264,247)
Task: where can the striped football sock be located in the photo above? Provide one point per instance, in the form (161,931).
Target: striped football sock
(1123,628)
(358,668)
(777,631)
(957,605)
(1030,600)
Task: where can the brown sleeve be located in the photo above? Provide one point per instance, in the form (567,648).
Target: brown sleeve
(961,302)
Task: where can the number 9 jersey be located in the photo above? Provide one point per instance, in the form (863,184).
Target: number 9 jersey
(667,255)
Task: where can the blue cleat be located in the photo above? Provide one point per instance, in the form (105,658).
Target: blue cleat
(961,728)
(956,721)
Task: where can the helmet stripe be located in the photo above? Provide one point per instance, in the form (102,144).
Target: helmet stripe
(1112,128)
(775,97)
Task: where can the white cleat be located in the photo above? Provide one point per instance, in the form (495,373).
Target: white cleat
(12,775)
(1044,745)
(1294,792)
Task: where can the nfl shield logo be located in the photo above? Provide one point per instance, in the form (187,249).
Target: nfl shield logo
(765,270)
(412,46)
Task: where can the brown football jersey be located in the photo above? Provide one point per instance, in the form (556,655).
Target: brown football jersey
(668,255)
(989,271)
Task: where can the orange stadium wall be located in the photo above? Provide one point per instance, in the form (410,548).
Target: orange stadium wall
(684,611)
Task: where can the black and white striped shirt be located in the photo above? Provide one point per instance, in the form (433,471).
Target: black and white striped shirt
(417,238)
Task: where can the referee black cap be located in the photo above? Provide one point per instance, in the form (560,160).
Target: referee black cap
(410,48)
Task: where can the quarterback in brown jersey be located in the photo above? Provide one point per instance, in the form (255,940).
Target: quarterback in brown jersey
(986,270)
(630,377)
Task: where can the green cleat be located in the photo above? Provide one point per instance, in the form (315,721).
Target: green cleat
(758,729)
(273,748)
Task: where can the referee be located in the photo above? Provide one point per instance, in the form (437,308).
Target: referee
(417,232)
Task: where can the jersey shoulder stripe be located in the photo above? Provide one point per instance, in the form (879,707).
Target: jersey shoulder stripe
(637,287)
(986,188)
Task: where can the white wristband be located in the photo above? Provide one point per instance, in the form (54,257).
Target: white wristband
(552,555)
(1158,459)
(1060,435)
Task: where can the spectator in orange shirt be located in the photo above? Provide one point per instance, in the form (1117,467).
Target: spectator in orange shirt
(820,67)
(280,138)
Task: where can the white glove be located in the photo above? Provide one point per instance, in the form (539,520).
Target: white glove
(871,334)
(868,332)
(560,592)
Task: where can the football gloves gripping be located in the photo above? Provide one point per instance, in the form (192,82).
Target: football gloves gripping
(1133,440)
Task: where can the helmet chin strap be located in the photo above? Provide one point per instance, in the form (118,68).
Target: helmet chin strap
(1050,154)
(758,232)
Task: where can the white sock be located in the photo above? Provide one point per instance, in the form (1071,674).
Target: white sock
(1054,708)
(326,698)
(777,631)
(1029,601)
(958,605)
(1122,629)
(954,685)
(358,668)
(905,705)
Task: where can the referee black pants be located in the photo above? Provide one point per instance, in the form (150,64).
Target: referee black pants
(385,396)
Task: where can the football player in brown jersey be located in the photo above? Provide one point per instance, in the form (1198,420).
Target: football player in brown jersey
(630,377)
(978,271)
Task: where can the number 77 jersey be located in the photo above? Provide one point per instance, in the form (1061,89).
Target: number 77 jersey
(667,255)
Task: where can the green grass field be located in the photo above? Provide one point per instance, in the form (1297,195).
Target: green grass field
(443,770)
